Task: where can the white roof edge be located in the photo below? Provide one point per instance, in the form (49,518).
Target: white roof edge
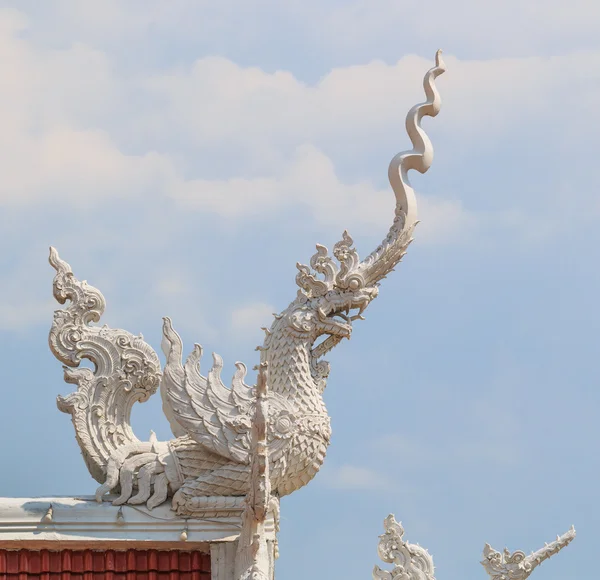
(79,521)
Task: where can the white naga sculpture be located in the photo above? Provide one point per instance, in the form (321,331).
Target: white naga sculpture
(210,454)
(412,562)
(250,445)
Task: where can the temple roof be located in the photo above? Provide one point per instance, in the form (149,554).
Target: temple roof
(79,522)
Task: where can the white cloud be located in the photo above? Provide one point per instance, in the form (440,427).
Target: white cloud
(265,141)
(58,141)
(84,167)
(310,181)
(445,220)
(217,101)
(53,106)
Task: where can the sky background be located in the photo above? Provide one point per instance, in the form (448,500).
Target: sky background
(184,155)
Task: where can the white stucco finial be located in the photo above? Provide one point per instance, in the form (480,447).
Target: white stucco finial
(412,562)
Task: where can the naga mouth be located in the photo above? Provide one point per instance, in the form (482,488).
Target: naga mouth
(350,314)
(337,323)
(345,313)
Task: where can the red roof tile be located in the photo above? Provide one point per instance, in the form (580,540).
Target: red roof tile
(107,564)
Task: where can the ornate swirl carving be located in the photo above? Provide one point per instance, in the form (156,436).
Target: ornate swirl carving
(411,562)
(309,282)
(348,276)
(126,369)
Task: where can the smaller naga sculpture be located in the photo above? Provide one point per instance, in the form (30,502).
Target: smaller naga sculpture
(210,454)
(412,562)
(518,566)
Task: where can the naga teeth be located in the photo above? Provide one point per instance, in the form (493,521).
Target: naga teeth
(344,314)
(359,315)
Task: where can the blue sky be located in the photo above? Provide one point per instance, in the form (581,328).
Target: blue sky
(183,156)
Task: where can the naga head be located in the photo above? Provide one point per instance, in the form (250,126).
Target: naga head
(334,293)
(335,290)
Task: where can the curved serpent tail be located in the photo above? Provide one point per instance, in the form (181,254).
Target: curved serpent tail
(383,260)
(126,370)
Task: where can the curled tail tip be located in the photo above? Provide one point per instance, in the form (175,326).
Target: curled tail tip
(439,61)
